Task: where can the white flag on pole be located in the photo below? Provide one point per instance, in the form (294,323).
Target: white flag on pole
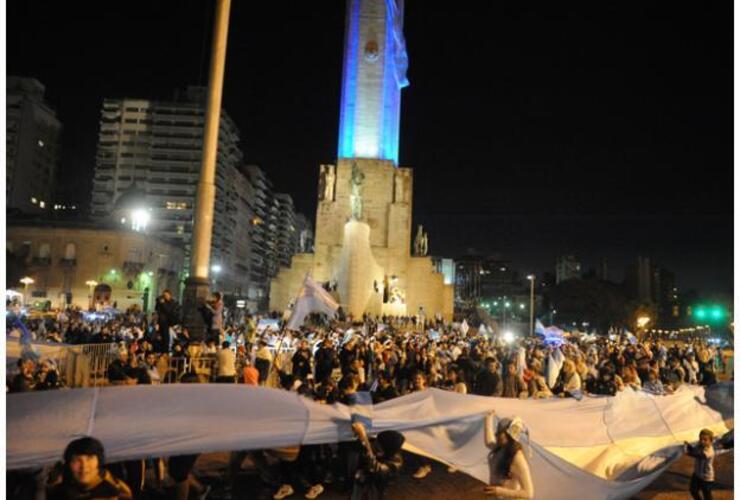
(464,327)
(312,298)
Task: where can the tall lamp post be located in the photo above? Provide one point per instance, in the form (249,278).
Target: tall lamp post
(26,280)
(91,285)
(531,279)
(196,285)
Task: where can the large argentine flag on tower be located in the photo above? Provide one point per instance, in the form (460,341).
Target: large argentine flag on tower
(312,298)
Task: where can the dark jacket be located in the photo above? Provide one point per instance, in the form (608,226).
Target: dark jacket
(488,384)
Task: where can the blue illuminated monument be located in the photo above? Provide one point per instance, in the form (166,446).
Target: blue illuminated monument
(375,63)
(364,215)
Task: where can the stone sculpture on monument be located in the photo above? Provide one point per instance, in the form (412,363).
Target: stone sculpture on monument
(355,197)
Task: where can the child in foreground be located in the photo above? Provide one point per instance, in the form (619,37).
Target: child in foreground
(702,480)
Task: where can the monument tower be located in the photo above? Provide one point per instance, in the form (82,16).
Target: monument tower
(363,220)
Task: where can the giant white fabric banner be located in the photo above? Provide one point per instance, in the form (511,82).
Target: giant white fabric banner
(600,447)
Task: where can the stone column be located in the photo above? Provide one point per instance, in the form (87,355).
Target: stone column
(196,286)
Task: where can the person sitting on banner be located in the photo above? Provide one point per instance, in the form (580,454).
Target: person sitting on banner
(379,463)
(84,476)
(510,475)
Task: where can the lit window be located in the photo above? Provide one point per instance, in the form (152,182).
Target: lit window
(180,229)
(176,205)
(42,204)
(34,200)
(41,143)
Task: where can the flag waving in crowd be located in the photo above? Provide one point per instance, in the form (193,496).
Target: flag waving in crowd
(312,298)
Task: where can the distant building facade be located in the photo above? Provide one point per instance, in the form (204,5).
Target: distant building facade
(567,267)
(32,147)
(151,152)
(64,259)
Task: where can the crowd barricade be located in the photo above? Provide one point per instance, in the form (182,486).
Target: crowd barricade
(204,366)
(86,365)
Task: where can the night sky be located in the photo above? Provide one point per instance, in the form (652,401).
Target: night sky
(533,131)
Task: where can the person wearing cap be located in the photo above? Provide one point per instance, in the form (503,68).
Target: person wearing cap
(379,463)
(510,475)
(84,476)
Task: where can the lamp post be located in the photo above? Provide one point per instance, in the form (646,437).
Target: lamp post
(531,279)
(507,305)
(196,285)
(26,280)
(91,285)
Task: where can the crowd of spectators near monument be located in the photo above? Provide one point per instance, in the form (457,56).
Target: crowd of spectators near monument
(333,361)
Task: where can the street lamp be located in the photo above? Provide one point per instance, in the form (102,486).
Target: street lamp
(26,280)
(506,306)
(531,279)
(91,284)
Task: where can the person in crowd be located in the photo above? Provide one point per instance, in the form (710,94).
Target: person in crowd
(510,474)
(226,364)
(325,360)
(250,374)
(263,361)
(215,306)
(84,476)
(455,380)
(488,381)
(302,360)
(379,464)
(571,380)
(702,480)
(118,371)
(654,385)
(167,317)
(48,377)
(25,380)
(514,386)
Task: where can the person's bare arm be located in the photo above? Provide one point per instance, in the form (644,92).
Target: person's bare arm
(490,433)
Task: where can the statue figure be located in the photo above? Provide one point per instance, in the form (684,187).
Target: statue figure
(425,244)
(326,183)
(355,198)
(418,240)
(329,188)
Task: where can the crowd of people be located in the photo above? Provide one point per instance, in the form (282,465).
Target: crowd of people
(335,361)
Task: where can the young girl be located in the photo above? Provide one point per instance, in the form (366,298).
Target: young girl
(510,477)
(702,480)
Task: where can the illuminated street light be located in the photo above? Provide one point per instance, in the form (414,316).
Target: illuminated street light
(140,219)
(216,268)
(508,337)
(26,280)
